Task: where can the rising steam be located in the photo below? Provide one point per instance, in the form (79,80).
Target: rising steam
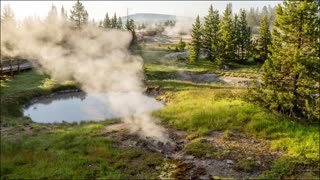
(97,59)
(182,26)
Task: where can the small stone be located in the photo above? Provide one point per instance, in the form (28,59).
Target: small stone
(189,157)
(258,162)
(249,158)
(230,162)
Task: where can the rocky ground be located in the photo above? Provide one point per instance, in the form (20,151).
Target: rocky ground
(213,78)
(231,156)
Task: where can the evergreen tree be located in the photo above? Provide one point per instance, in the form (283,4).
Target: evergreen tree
(245,37)
(195,41)
(236,37)
(7,15)
(114,21)
(181,45)
(291,73)
(53,14)
(79,16)
(106,21)
(192,55)
(226,33)
(131,27)
(119,23)
(264,39)
(63,14)
(210,34)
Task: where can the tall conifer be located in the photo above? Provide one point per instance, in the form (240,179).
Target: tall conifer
(291,73)
(195,41)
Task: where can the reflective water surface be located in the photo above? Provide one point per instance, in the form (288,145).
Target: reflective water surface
(76,107)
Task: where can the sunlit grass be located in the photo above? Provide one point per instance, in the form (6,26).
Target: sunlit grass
(74,152)
(25,81)
(206,109)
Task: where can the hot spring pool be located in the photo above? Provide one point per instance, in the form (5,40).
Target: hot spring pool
(79,106)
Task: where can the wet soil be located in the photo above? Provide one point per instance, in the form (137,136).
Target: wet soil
(235,151)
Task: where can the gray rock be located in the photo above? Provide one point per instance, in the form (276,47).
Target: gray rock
(189,157)
(230,162)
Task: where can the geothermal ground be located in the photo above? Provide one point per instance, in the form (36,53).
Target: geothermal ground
(212,132)
(232,153)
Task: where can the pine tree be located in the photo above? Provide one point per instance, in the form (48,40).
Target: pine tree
(79,16)
(52,15)
(210,34)
(181,45)
(106,22)
(236,37)
(7,15)
(192,55)
(226,34)
(291,73)
(245,37)
(264,39)
(119,23)
(195,41)
(114,21)
(63,14)
(131,27)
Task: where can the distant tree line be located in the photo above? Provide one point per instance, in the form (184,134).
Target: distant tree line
(290,54)
(223,39)
(291,72)
(254,16)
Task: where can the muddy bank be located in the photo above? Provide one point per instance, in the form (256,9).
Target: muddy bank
(234,154)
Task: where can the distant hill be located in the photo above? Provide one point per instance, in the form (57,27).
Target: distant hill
(149,17)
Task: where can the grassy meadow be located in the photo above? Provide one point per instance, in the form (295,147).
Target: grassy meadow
(31,150)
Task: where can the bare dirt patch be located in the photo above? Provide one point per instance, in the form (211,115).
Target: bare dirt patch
(213,78)
(235,156)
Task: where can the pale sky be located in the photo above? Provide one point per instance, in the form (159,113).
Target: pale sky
(98,9)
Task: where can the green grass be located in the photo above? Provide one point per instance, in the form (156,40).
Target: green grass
(157,67)
(203,108)
(200,149)
(81,151)
(207,109)
(74,152)
(61,151)
(23,82)
(293,168)
(22,88)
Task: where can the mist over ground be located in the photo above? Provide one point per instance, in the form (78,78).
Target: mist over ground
(98,60)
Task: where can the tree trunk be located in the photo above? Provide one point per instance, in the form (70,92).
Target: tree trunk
(295,94)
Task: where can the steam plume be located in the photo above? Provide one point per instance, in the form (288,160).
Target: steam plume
(97,59)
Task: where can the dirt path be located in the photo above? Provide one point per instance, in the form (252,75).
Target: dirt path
(239,156)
